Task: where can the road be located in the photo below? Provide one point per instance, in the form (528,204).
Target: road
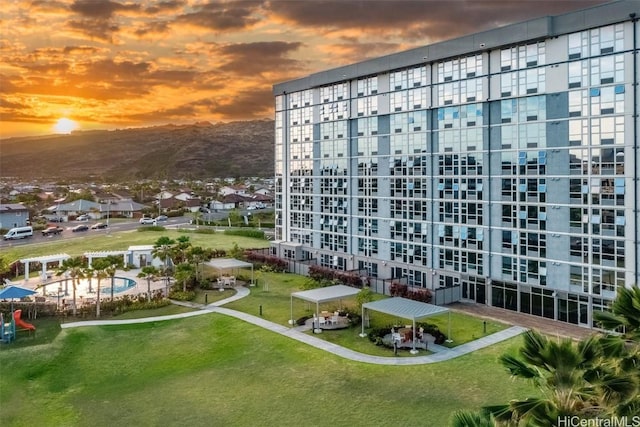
(68,234)
(173,222)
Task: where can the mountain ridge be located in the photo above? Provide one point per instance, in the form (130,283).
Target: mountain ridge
(195,151)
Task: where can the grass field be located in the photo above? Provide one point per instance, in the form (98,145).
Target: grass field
(122,240)
(215,370)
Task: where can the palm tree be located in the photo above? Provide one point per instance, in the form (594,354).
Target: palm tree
(149,273)
(75,268)
(575,379)
(115,262)
(181,247)
(100,267)
(163,249)
(184,271)
(472,419)
(624,314)
(197,255)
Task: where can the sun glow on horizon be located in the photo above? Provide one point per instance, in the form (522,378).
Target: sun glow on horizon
(65,125)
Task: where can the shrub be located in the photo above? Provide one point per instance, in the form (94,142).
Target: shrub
(182,296)
(256,234)
(274,263)
(151,228)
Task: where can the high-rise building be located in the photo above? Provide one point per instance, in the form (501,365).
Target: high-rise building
(499,167)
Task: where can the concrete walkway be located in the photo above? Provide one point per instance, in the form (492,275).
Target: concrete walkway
(439,354)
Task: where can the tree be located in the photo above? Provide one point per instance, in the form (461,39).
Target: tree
(184,271)
(75,268)
(163,249)
(575,379)
(115,262)
(364,296)
(100,271)
(625,313)
(197,255)
(149,273)
(236,251)
(181,247)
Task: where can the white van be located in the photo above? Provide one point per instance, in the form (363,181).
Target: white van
(19,233)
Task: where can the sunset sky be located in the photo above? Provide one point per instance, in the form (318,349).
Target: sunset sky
(100,64)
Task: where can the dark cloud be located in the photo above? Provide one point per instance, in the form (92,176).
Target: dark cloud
(48,6)
(83,50)
(95,29)
(249,104)
(259,57)
(165,6)
(433,19)
(341,53)
(101,9)
(152,28)
(220,16)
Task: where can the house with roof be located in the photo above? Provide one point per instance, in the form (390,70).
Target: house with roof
(13,215)
(125,208)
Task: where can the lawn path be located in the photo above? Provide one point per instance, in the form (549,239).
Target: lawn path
(440,353)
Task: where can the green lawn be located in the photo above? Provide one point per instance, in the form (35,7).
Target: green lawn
(215,370)
(122,240)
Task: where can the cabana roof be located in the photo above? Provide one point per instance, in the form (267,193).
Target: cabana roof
(328,293)
(405,308)
(228,263)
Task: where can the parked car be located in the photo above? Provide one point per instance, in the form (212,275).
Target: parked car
(83,217)
(52,231)
(147,221)
(80,227)
(99,226)
(162,218)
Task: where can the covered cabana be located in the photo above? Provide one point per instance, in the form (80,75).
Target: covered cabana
(406,309)
(322,295)
(229,264)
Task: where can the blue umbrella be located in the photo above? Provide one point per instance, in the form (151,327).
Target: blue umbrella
(13,291)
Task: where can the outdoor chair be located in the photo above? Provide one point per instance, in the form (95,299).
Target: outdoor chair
(322,320)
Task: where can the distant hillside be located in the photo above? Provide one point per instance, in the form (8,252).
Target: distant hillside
(201,150)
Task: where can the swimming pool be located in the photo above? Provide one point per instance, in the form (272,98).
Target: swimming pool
(88,287)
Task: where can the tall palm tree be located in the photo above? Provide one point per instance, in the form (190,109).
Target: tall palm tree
(184,271)
(181,248)
(576,379)
(149,273)
(75,268)
(163,249)
(624,314)
(100,271)
(115,262)
(197,255)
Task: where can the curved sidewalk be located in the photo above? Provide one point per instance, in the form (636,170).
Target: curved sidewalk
(293,333)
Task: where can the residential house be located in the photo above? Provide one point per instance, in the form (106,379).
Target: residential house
(13,215)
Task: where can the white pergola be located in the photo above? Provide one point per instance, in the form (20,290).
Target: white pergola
(103,254)
(43,260)
(322,295)
(222,264)
(406,309)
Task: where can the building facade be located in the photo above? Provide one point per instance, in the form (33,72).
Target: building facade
(501,166)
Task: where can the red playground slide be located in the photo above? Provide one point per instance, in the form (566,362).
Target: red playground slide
(21,324)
